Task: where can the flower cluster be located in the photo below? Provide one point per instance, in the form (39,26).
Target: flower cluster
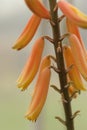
(35,61)
(75,54)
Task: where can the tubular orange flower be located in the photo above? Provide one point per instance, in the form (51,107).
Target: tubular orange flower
(78,54)
(72,28)
(40,90)
(74,72)
(28,32)
(38,8)
(73,13)
(32,65)
(45,62)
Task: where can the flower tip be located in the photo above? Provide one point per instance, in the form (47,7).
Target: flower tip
(13,47)
(16,47)
(20,86)
(30,117)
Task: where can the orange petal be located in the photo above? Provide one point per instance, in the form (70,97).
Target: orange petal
(78,55)
(40,94)
(73,72)
(73,13)
(38,8)
(27,33)
(72,28)
(32,65)
(45,63)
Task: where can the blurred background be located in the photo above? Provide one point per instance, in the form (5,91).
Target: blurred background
(13,103)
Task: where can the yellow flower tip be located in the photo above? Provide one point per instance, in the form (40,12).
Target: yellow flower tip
(21,86)
(31,67)
(30,117)
(38,8)
(28,32)
(73,13)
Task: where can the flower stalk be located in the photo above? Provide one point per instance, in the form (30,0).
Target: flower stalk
(70,59)
(61,66)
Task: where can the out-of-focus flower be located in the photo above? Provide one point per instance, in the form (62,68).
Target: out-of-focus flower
(73,72)
(73,14)
(40,90)
(28,32)
(38,8)
(78,54)
(32,65)
(71,89)
(73,28)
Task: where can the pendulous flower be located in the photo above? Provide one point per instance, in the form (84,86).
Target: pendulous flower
(73,28)
(73,72)
(32,65)
(40,90)
(78,54)
(38,8)
(73,14)
(28,32)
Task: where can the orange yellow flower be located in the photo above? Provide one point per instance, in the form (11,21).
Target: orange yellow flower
(73,14)
(73,28)
(78,54)
(73,72)
(40,90)
(38,8)
(32,65)
(28,32)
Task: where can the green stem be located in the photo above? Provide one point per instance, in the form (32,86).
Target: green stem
(61,65)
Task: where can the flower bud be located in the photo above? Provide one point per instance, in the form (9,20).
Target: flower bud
(28,32)
(73,72)
(78,54)
(32,65)
(73,28)
(73,14)
(38,8)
